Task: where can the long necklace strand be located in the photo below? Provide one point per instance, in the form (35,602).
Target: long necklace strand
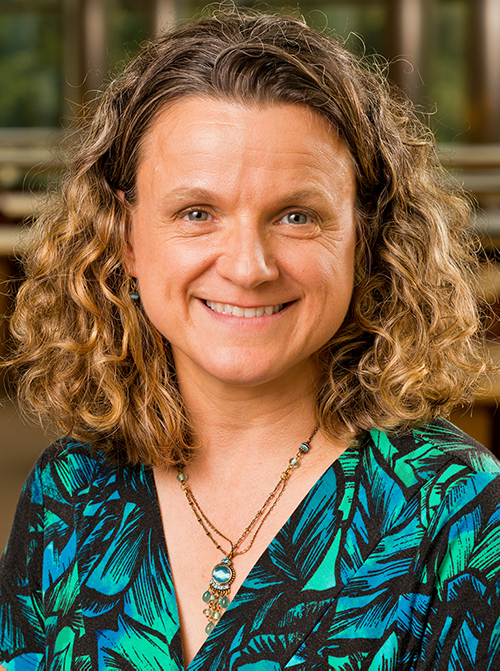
(216,596)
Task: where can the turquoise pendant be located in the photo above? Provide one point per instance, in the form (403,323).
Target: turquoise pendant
(222,575)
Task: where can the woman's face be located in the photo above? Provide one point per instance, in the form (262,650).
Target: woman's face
(242,238)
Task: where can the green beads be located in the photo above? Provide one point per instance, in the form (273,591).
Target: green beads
(206,596)
(294,462)
(224,601)
(181,477)
(207,612)
(209,628)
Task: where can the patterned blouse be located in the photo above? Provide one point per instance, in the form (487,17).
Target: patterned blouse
(392,561)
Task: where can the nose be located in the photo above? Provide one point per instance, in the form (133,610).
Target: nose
(246,258)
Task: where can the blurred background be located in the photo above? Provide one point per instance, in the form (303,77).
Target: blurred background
(55,53)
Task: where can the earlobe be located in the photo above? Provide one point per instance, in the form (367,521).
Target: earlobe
(129,259)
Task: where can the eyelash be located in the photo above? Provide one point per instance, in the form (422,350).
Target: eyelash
(195,210)
(199,210)
(299,214)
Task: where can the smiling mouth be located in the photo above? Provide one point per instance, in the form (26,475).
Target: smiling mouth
(247,313)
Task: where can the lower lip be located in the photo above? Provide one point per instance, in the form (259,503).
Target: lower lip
(246,321)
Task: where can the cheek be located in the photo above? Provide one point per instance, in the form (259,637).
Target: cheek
(330,272)
(167,267)
(334,283)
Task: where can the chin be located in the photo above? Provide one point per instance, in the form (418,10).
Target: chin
(253,370)
(242,367)
(247,376)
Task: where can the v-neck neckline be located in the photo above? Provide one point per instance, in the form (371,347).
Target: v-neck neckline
(336,466)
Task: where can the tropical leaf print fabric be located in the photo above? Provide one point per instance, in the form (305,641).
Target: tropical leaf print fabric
(392,561)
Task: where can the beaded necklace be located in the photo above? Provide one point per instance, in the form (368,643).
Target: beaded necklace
(216,596)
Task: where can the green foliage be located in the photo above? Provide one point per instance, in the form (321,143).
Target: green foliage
(30,69)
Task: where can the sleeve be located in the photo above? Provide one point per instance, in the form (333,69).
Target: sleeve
(21,604)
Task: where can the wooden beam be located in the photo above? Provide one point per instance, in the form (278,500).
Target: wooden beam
(163,16)
(406,37)
(484,71)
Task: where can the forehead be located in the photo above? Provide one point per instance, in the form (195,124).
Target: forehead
(209,132)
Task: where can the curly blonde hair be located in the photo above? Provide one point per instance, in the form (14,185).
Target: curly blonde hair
(87,356)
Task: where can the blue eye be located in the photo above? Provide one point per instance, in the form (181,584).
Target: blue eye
(197,215)
(295,218)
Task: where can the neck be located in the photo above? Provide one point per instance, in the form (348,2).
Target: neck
(265,422)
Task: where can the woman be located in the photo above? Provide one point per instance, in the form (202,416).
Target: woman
(249,307)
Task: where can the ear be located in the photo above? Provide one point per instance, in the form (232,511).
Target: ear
(129,259)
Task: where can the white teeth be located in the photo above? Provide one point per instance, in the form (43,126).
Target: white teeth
(248,313)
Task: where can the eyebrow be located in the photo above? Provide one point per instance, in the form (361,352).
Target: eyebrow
(306,194)
(200,195)
(193,193)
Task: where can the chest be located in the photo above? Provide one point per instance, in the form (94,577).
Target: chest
(195,548)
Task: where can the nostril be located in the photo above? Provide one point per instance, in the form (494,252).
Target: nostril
(248,270)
